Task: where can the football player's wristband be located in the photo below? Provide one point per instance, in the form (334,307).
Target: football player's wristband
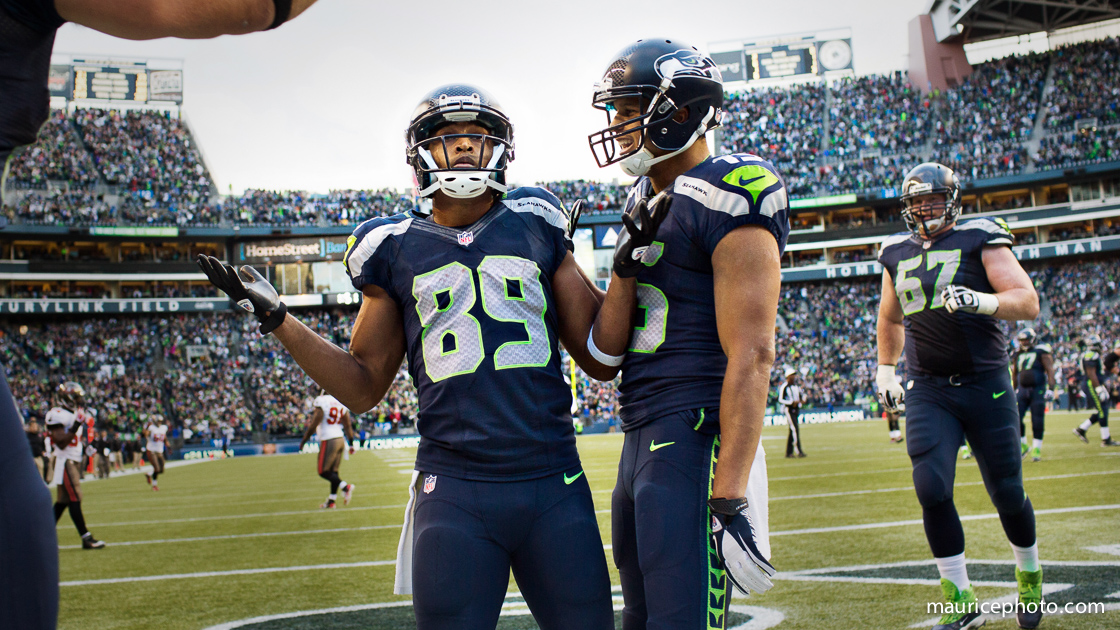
(728,507)
(986,303)
(283,10)
(599,355)
(274,320)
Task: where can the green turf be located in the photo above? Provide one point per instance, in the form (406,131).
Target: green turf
(240,499)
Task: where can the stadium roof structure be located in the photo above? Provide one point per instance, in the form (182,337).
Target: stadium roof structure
(963,21)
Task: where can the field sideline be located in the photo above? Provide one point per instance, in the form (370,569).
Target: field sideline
(241,543)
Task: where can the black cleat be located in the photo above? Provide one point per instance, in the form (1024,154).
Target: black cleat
(89,542)
(1109,442)
(1080,433)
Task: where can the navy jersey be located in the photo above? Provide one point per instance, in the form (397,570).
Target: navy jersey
(675,361)
(1029,365)
(481,328)
(1092,359)
(940,343)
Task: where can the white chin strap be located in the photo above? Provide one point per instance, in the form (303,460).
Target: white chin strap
(462,184)
(638,164)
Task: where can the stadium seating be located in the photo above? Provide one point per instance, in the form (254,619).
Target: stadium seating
(200,369)
(855,135)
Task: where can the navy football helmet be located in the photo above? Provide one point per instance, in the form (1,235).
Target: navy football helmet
(666,76)
(1093,342)
(1027,337)
(929,179)
(451,104)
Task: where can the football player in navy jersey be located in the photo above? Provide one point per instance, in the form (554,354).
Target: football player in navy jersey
(1033,372)
(694,340)
(944,286)
(477,295)
(1095,390)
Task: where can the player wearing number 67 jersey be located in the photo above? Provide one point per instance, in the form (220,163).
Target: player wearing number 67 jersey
(477,295)
(944,286)
(697,272)
(331,423)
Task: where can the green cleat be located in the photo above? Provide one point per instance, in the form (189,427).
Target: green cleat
(1023,449)
(965,608)
(1036,453)
(966,452)
(1029,613)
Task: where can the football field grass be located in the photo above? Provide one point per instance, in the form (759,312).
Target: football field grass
(240,543)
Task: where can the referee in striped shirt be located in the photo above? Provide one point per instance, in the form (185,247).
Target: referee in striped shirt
(790,397)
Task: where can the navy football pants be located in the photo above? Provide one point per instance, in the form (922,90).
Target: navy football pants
(469,534)
(28,539)
(1032,399)
(661,528)
(984,409)
(1098,407)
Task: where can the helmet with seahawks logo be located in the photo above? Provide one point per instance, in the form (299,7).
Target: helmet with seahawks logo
(1026,337)
(449,104)
(930,178)
(666,76)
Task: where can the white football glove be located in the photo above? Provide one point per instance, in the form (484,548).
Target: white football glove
(890,390)
(1102,393)
(1051,395)
(733,536)
(963,299)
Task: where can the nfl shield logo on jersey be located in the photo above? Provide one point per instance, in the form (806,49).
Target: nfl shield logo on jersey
(429,484)
(466,238)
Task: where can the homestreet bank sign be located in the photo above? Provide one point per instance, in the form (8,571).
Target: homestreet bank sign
(182,305)
(293,250)
(1022,252)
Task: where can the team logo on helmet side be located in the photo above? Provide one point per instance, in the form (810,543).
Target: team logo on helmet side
(914,187)
(687,63)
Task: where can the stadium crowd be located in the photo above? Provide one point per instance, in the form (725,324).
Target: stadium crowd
(205,372)
(58,155)
(857,134)
(1077,66)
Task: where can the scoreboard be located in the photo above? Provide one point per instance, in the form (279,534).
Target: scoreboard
(786,57)
(109,83)
(118,81)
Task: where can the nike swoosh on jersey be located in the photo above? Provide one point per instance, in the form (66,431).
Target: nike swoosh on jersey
(995,395)
(653,445)
(568,480)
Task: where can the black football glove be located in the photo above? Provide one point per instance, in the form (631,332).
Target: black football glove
(638,235)
(733,536)
(257,296)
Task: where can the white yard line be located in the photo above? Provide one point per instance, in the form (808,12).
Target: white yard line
(237,516)
(235,536)
(206,574)
(974,517)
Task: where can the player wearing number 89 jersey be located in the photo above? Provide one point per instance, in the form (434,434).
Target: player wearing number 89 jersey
(477,295)
(482,291)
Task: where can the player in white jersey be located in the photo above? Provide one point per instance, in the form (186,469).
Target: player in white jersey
(66,423)
(331,422)
(156,432)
